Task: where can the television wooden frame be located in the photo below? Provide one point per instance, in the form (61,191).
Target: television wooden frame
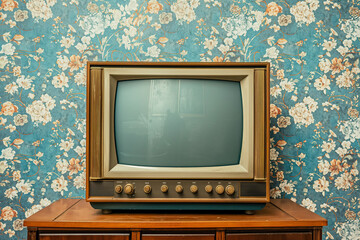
(94,120)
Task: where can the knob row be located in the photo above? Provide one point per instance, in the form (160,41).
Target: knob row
(220,189)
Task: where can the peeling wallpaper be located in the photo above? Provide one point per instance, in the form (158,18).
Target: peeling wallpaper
(313,47)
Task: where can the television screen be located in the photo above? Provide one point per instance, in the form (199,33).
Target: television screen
(178,122)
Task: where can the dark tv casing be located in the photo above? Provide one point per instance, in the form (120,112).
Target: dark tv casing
(117,187)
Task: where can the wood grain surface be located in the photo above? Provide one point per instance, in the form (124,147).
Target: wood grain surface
(270,236)
(84,236)
(177,236)
(79,214)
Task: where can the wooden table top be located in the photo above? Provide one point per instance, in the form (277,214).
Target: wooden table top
(76,213)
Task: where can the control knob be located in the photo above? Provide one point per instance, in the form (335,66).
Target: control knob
(129,189)
(230,190)
(193,189)
(164,188)
(208,188)
(118,188)
(219,189)
(147,189)
(179,188)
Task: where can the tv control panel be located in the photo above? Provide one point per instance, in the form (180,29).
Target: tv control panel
(176,189)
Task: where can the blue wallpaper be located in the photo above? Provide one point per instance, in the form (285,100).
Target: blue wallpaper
(313,47)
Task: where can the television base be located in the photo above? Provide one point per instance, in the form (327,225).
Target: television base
(247,207)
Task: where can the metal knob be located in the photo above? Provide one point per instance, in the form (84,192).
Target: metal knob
(179,188)
(164,188)
(230,190)
(208,188)
(129,189)
(193,189)
(118,188)
(219,189)
(147,189)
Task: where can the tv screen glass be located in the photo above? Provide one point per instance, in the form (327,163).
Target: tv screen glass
(178,122)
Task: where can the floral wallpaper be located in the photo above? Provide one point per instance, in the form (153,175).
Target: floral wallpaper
(313,47)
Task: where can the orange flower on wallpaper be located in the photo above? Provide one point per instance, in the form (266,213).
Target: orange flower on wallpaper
(335,167)
(8,109)
(17,71)
(336,65)
(8,5)
(274,111)
(74,166)
(218,59)
(273,9)
(154,6)
(7,213)
(75,63)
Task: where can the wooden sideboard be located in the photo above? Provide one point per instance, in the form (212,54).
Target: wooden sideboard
(74,219)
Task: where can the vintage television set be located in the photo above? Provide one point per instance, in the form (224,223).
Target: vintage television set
(177,136)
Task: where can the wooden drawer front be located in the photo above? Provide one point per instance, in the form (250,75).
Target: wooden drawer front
(270,236)
(84,236)
(178,237)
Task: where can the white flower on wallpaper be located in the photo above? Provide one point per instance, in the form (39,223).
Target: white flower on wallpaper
(8,49)
(272,52)
(345,80)
(283,122)
(344,181)
(11,193)
(24,82)
(153,51)
(67,42)
(3,166)
(302,112)
(39,112)
(32,210)
(351,28)
(60,81)
(165,17)
(93,24)
(351,129)
(309,204)
(287,187)
(349,230)
(59,185)
(63,62)
(24,187)
(131,6)
(303,11)
(185,10)
(21,15)
(79,181)
(7,153)
(321,185)
(284,20)
(322,84)
(66,145)
(80,78)
(240,24)
(325,65)
(40,9)
(3,61)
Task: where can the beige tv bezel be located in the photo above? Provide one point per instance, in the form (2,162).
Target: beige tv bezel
(111,169)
